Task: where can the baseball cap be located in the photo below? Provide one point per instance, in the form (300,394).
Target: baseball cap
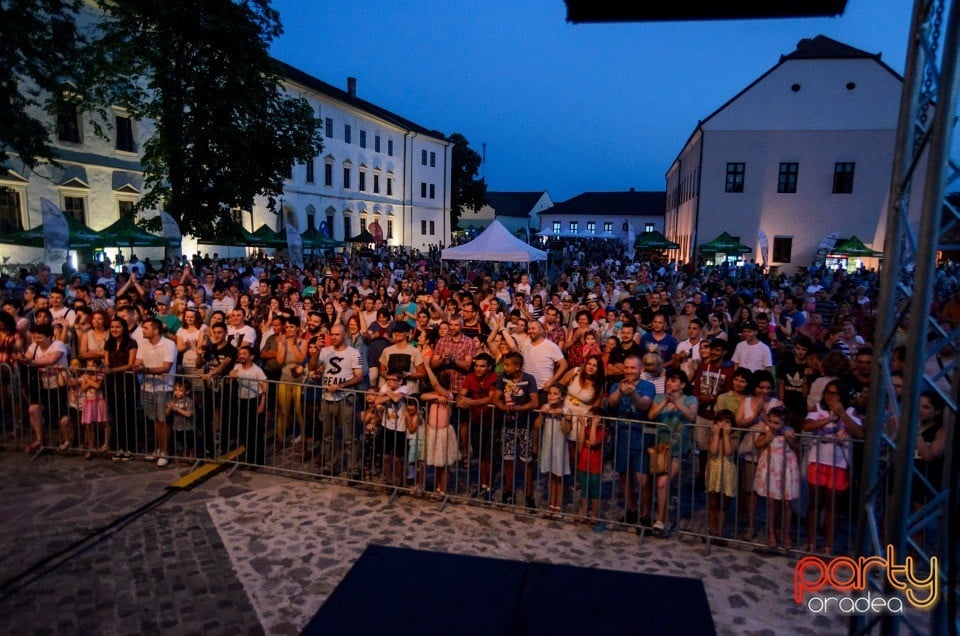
(752,326)
(164,300)
(718,343)
(400,326)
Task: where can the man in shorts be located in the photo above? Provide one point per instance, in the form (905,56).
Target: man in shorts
(157,360)
(629,401)
(515,396)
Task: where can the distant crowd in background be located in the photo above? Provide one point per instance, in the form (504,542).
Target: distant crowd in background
(758,381)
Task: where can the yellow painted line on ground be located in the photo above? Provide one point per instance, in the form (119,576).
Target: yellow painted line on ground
(205,470)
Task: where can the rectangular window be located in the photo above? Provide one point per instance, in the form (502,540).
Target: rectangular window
(574,227)
(362,184)
(389,147)
(346,178)
(423,190)
(125,207)
(328,127)
(290,172)
(346,133)
(10,217)
(68,122)
(423,228)
(125,134)
(735,177)
(376,143)
(843,178)
(363,138)
(328,174)
(347,230)
(376,184)
(608,226)
(591,227)
(787,181)
(389,186)
(310,175)
(782,249)
(433,160)
(330,225)
(648,227)
(433,191)
(423,157)
(556,227)
(432,232)
(389,229)
(74,206)
(311,219)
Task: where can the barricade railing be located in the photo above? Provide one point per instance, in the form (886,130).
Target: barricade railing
(579,467)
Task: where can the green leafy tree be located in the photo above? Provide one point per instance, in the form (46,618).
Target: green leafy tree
(225,129)
(467,192)
(39,47)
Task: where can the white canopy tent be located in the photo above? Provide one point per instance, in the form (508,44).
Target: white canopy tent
(495,243)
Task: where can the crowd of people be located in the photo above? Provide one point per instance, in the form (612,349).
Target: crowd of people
(392,369)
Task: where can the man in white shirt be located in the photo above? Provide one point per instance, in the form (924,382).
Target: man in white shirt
(222,301)
(157,360)
(59,309)
(688,351)
(750,352)
(251,405)
(239,333)
(542,358)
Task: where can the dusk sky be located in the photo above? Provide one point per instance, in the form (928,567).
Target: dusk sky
(566,108)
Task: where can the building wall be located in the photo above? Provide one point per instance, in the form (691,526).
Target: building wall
(400,213)
(102,176)
(815,113)
(638,222)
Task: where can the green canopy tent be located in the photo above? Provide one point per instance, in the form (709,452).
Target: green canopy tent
(654,241)
(852,247)
(231,234)
(269,237)
(363,237)
(124,232)
(316,239)
(81,236)
(725,244)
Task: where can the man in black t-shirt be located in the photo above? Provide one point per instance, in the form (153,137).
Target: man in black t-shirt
(217,358)
(626,348)
(794,377)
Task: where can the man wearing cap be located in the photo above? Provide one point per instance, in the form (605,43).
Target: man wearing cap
(750,352)
(171,324)
(403,358)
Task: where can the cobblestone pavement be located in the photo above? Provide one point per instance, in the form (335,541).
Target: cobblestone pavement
(252,552)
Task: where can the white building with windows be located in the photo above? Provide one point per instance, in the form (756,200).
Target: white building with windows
(608,215)
(803,153)
(376,170)
(518,211)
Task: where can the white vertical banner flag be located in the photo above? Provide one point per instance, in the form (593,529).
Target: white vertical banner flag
(631,239)
(294,240)
(764,246)
(56,235)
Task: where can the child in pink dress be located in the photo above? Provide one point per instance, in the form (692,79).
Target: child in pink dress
(778,474)
(94,416)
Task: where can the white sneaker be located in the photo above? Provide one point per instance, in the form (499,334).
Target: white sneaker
(658,525)
(162,461)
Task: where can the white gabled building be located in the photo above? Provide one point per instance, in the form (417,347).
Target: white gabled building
(802,153)
(608,215)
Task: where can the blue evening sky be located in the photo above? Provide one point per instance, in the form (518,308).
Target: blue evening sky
(566,108)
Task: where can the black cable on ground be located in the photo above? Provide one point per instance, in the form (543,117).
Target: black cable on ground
(50,563)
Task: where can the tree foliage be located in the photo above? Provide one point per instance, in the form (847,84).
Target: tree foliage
(36,59)
(467,192)
(225,129)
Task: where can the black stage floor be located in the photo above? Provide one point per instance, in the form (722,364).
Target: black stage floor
(403,591)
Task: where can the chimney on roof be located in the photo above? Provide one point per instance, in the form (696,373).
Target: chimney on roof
(352,86)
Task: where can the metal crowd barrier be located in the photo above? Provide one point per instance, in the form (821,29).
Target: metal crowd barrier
(527,463)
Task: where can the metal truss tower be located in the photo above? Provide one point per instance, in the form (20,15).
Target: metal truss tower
(925,127)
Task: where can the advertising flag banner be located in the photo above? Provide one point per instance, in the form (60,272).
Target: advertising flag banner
(764,246)
(294,240)
(56,235)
